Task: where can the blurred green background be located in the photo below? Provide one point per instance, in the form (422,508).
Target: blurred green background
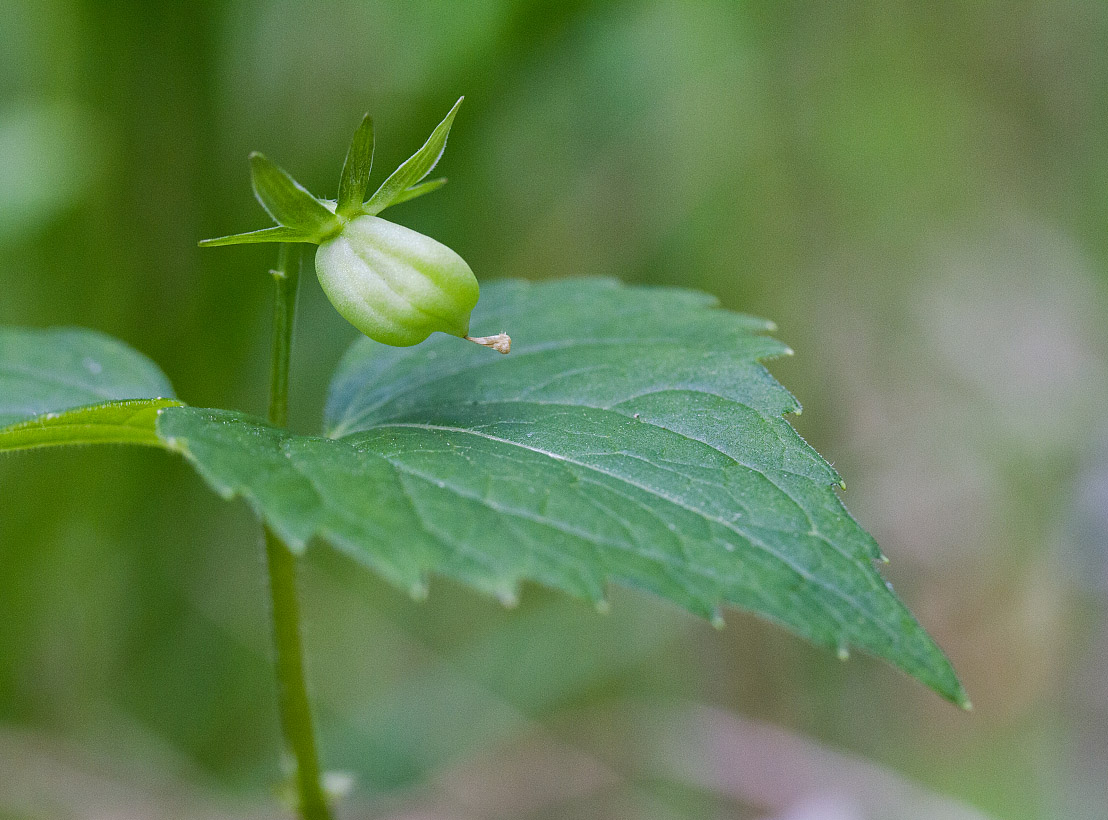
(916,193)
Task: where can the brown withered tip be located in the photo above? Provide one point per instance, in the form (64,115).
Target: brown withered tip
(501,342)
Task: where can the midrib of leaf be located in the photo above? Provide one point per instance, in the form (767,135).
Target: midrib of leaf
(630,414)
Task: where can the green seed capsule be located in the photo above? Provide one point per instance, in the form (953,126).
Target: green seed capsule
(395,285)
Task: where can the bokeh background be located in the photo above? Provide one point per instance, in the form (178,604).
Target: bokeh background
(916,193)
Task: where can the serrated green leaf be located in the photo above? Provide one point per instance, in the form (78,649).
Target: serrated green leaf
(115,422)
(287,201)
(415,168)
(419,190)
(632,437)
(356,170)
(276,234)
(49,370)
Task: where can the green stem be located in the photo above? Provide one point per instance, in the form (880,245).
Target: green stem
(296,712)
(287,277)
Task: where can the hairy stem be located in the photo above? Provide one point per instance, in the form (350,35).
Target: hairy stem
(292,690)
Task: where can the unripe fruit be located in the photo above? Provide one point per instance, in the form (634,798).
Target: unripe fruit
(394,284)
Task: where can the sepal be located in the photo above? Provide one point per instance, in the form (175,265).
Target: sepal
(288,202)
(356,170)
(419,190)
(414,169)
(276,234)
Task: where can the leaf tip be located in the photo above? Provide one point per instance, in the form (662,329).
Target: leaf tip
(603,606)
(717,620)
(842,653)
(419,591)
